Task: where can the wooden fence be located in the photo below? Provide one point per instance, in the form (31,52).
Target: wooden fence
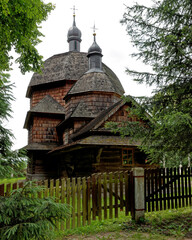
(106,195)
(100,196)
(168,188)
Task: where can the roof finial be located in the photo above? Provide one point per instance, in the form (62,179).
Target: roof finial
(74,10)
(94,30)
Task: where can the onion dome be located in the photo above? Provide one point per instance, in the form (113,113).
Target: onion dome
(94,47)
(95,56)
(74,37)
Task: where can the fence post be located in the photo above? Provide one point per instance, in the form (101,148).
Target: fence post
(139,197)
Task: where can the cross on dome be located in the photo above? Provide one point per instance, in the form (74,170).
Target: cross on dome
(74,10)
(94,29)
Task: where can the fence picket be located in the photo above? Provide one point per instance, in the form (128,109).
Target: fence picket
(89,200)
(156,191)
(186,187)
(189,183)
(84,201)
(160,187)
(8,189)
(57,199)
(94,196)
(63,195)
(175,186)
(51,188)
(164,190)
(121,190)
(183,190)
(45,184)
(68,200)
(171,183)
(152,189)
(73,190)
(99,197)
(149,188)
(110,196)
(105,194)
(179,187)
(116,194)
(78,202)
(40,183)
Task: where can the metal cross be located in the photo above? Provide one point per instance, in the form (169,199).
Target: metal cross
(74,10)
(94,29)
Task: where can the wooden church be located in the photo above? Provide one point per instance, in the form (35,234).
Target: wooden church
(70,102)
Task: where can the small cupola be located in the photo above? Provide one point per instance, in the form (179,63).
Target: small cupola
(74,36)
(95,56)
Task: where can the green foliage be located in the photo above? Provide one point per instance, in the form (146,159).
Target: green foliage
(19,31)
(162,34)
(11,162)
(24,216)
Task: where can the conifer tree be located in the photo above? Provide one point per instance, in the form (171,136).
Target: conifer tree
(25,216)
(162,35)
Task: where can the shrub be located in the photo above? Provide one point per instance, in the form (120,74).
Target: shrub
(24,216)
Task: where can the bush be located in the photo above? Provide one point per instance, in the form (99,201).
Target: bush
(24,216)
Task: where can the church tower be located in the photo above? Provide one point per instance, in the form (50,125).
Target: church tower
(74,36)
(74,94)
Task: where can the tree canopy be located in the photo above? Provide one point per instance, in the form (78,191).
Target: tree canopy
(19,32)
(162,35)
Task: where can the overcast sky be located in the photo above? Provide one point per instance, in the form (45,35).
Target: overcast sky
(111,37)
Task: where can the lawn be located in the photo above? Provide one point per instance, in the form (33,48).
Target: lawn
(169,224)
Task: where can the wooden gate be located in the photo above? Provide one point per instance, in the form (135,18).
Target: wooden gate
(98,197)
(168,188)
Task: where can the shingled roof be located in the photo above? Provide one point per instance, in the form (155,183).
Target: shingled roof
(102,117)
(83,110)
(67,66)
(99,119)
(46,105)
(94,81)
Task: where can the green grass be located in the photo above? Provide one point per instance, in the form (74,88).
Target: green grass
(169,224)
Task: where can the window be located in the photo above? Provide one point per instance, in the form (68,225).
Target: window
(75,45)
(127,156)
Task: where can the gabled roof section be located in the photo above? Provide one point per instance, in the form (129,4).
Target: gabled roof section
(103,117)
(83,110)
(46,105)
(95,123)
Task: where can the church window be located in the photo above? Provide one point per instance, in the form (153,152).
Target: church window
(75,47)
(127,156)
